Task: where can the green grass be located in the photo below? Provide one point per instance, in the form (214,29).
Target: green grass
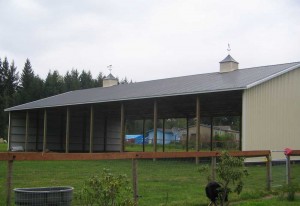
(3,147)
(266,202)
(163,182)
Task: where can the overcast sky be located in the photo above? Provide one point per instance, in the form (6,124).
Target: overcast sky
(148,39)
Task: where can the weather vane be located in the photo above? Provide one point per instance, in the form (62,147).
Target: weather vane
(109,68)
(228,49)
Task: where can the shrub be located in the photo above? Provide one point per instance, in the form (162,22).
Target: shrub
(288,191)
(107,189)
(230,172)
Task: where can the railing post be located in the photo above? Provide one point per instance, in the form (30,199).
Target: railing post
(288,170)
(9,182)
(269,171)
(213,168)
(135,181)
(197,127)
(67,130)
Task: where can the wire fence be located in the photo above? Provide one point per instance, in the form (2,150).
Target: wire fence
(156,178)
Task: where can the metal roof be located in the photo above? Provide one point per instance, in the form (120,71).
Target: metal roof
(228,59)
(240,79)
(110,76)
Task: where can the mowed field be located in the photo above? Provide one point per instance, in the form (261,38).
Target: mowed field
(163,182)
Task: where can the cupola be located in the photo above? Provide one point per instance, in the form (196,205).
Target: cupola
(228,64)
(110,80)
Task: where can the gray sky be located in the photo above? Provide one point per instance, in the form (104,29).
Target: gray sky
(148,39)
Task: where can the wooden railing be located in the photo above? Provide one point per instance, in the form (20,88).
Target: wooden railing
(10,157)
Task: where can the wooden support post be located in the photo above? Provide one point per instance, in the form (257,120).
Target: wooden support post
(164,136)
(9,182)
(144,131)
(213,168)
(62,131)
(155,125)
(288,169)
(269,171)
(45,131)
(122,133)
(9,132)
(68,130)
(91,129)
(105,134)
(197,127)
(135,181)
(26,131)
(37,137)
(211,133)
(187,134)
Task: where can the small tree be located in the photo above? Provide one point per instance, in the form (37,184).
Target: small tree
(230,172)
(107,189)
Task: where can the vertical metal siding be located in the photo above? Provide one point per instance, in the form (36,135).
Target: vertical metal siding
(271,114)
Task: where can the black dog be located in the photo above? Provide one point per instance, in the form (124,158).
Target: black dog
(213,192)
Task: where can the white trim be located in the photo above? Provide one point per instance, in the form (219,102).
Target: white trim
(244,106)
(272,76)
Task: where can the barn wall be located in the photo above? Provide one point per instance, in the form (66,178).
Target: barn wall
(55,132)
(271,114)
(113,134)
(18,130)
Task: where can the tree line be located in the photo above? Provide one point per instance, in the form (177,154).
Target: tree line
(28,86)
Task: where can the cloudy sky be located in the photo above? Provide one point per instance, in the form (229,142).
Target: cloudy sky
(148,39)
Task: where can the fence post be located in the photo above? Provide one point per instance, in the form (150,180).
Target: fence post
(213,168)
(135,181)
(269,171)
(288,169)
(9,182)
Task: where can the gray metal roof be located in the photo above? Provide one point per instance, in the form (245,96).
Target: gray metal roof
(110,76)
(228,59)
(240,79)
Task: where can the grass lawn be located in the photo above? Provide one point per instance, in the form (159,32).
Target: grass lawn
(3,147)
(163,182)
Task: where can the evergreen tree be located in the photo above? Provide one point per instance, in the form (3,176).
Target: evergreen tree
(54,84)
(86,80)
(71,80)
(2,102)
(4,74)
(12,80)
(8,83)
(99,80)
(31,87)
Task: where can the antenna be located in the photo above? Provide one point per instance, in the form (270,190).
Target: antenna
(109,68)
(228,49)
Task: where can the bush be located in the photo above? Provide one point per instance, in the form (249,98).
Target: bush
(225,141)
(107,189)
(230,172)
(288,191)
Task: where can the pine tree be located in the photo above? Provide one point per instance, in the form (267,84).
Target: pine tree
(99,80)
(11,84)
(54,84)
(86,80)
(71,80)
(31,87)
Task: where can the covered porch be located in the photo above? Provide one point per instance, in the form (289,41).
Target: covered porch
(102,127)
